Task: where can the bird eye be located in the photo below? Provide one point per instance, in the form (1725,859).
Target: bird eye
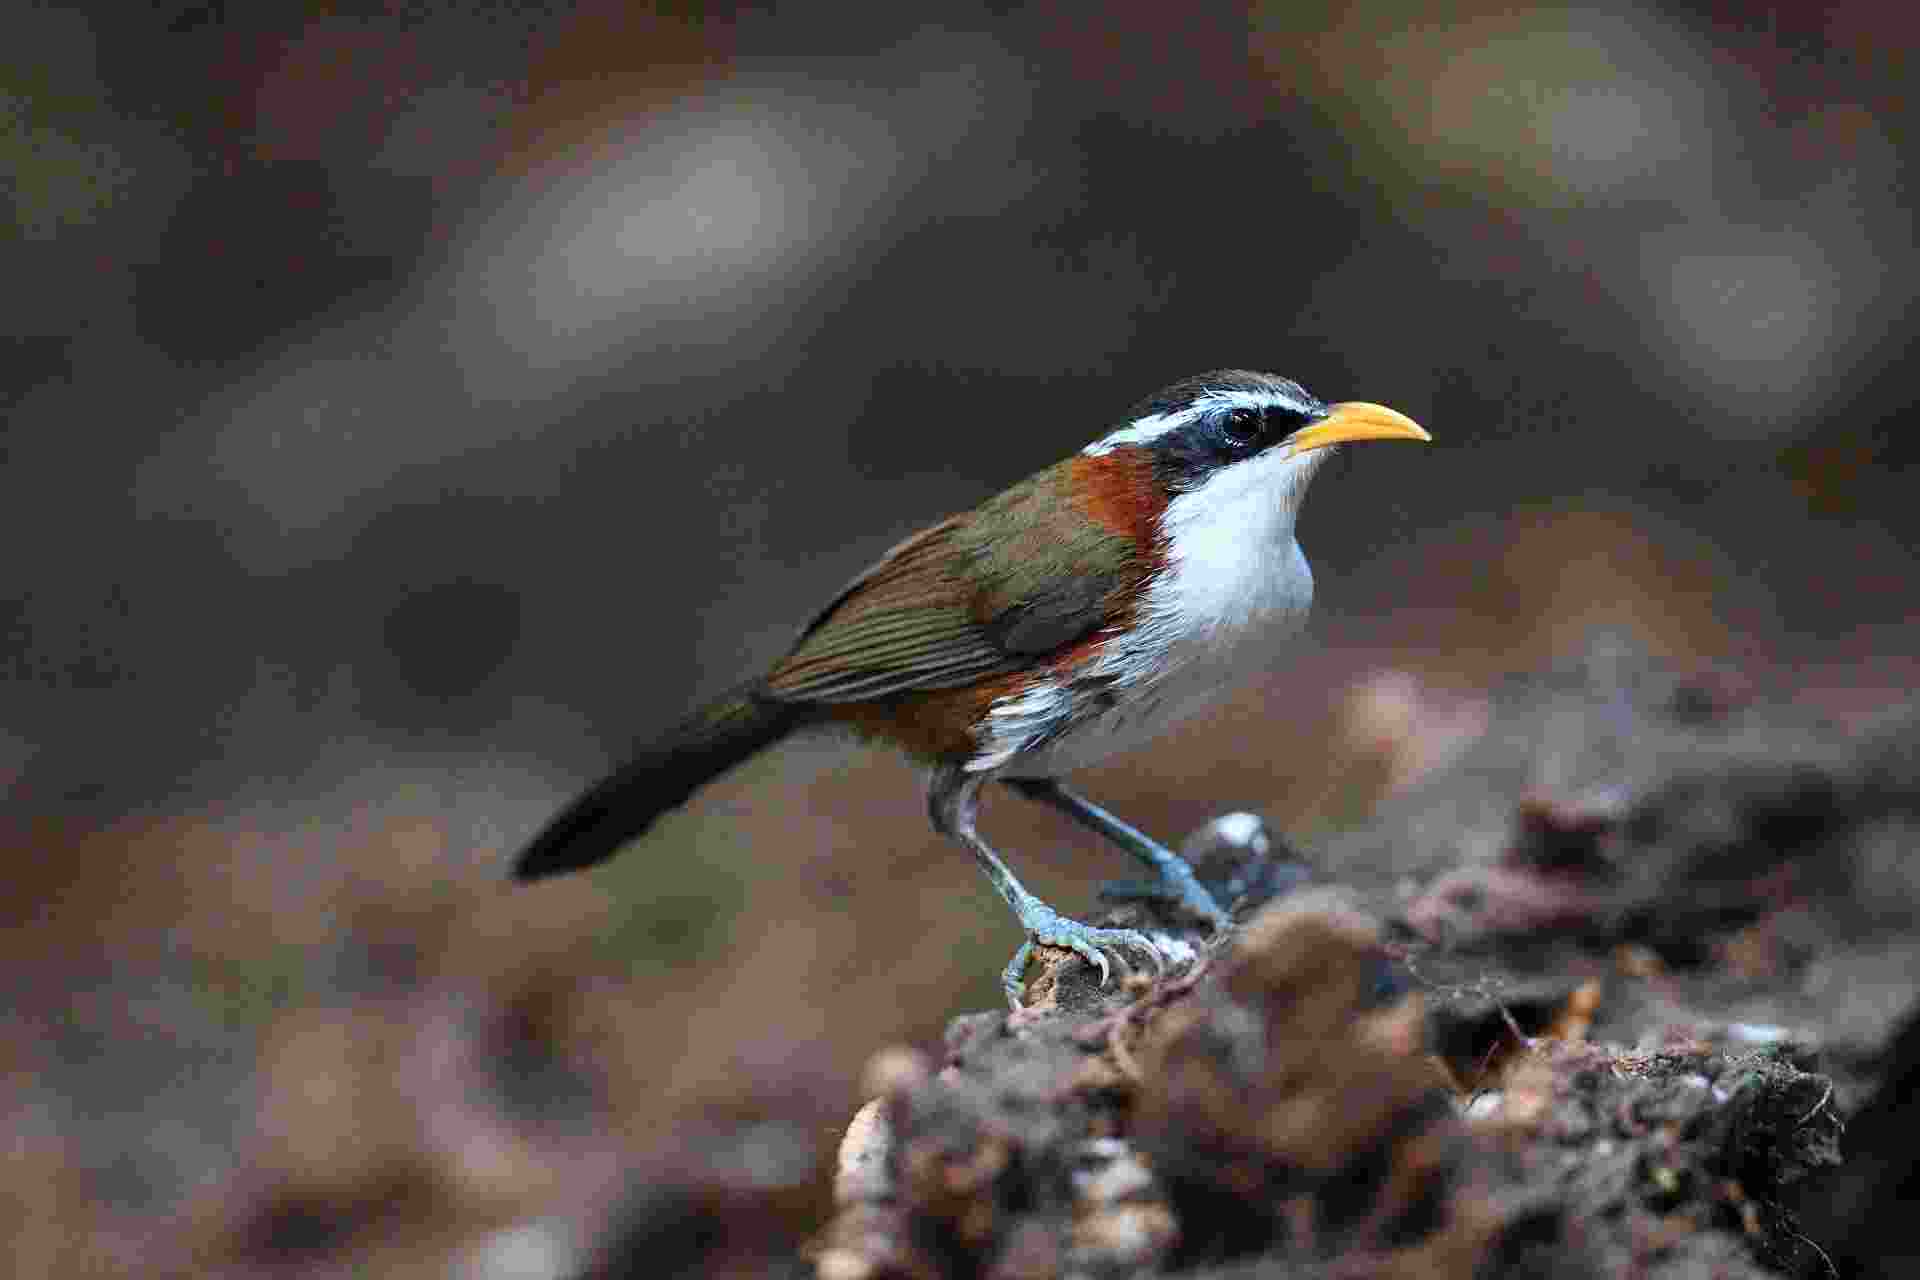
(1241,427)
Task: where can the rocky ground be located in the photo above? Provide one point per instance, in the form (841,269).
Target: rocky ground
(1626,987)
(1618,979)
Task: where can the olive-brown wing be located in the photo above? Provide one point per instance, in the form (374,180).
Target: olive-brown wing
(925,617)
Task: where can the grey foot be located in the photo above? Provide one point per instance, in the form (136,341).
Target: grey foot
(1244,862)
(1178,884)
(1048,927)
(1236,856)
(1136,891)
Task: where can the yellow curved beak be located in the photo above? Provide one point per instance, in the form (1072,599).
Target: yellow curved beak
(1356,420)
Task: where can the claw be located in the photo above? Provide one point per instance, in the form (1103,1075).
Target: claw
(1097,956)
(1101,948)
(1094,945)
(1011,978)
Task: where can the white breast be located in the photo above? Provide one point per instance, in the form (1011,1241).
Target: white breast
(1235,590)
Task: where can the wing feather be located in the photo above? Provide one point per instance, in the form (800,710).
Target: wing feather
(926,616)
(903,624)
(966,599)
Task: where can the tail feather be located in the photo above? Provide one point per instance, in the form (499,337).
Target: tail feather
(620,807)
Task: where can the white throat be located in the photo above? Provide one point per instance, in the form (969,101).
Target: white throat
(1232,561)
(1235,589)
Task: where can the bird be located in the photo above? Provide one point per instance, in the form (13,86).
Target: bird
(1073,616)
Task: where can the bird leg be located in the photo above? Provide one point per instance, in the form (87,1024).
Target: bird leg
(1177,880)
(953,802)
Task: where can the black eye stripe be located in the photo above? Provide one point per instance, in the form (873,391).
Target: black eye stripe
(1244,429)
(1217,419)
(1243,426)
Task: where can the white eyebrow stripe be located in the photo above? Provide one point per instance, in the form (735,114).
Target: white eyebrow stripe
(1144,431)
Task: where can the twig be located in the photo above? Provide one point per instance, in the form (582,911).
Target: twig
(1831,1269)
(1824,1099)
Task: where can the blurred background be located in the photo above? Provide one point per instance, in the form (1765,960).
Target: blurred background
(409,406)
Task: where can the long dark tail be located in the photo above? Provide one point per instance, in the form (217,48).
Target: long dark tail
(621,806)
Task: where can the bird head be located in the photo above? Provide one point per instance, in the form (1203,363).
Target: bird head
(1230,454)
(1200,429)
